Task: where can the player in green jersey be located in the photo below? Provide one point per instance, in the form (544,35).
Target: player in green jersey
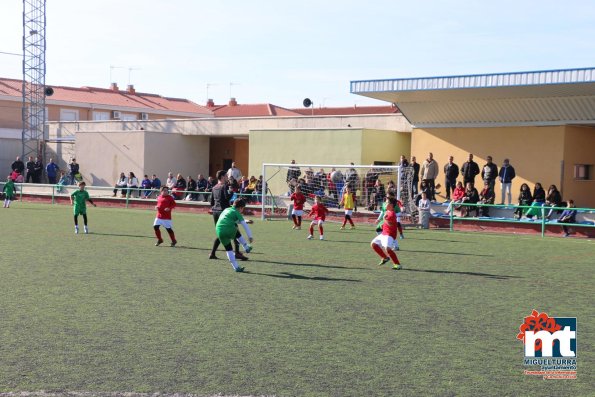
(8,191)
(227,228)
(79,199)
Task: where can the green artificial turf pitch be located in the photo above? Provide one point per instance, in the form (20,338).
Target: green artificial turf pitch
(110,312)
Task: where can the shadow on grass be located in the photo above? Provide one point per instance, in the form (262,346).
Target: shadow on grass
(437,239)
(121,235)
(486,275)
(308,265)
(292,276)
(444,252)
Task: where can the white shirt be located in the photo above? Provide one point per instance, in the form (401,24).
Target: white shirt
(235,173)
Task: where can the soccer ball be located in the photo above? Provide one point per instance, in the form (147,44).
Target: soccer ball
(336,177)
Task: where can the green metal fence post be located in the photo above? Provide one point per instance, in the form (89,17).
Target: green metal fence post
(451,215)
(53,192)
(542,221)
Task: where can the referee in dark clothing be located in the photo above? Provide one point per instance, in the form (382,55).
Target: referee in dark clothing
(220,197)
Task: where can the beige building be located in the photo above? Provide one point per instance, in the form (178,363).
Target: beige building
(105,148)
(544,122)
(72,104)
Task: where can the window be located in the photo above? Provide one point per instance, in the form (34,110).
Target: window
(69,115)
(583,172)
(98,116)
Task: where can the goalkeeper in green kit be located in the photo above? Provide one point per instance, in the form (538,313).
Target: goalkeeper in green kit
(79,199)
(227,228)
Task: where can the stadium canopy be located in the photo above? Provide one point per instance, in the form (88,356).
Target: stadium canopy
(551,97)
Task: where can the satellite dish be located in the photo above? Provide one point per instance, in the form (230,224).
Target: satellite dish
(48,91)
(307,102)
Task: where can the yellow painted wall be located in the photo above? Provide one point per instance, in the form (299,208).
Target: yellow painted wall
(535,153)
(378,145)
(579,148)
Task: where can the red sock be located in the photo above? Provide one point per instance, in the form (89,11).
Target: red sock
(399,228)
(321,230)
(311,230)
(344,221)
(294,218)
(378,250)
(158,234)
(299,221)
(171,234)
(393,256)
(350,221)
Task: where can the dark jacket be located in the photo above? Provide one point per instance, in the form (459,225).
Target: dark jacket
(471,196)
(491,174)
(18,166)
(507,174)
(220,198)
(539,195)
(415,167)
(525,197)
(470,170)
(554,198)
(451,171)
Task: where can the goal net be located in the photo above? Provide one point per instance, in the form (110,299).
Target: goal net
(369,183)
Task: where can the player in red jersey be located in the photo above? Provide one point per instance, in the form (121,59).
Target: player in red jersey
(318,212)
(298,199)
(386,240)
(165,204)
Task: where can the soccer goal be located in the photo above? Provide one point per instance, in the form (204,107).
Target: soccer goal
(370,184)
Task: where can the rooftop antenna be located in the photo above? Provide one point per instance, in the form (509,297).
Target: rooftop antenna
(230,85)
(129,71)
(208,86)
(111,69)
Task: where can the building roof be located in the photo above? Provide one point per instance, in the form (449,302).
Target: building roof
(347,110)
(113,98)
(551,97)
(233,109)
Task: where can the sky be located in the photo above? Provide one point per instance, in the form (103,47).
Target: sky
(280,52)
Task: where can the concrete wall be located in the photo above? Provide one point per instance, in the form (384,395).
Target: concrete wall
(536,153)
(579,148)
(103,156)
(187,155)
(9,150)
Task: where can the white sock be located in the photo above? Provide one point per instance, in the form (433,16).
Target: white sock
(232,258)
(243,241)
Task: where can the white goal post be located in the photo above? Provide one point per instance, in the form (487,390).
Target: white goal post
(370,183)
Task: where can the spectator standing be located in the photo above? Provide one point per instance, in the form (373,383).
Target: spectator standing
(293,174)
(30,170)
(52,170)
(37,170)
(451,173)
(429,172)
(18,166)
(413,164)
(489,173)
(352,179)
(469,170)
(424,211)
(121,184)
(506,175)
(74,171)
(234,172)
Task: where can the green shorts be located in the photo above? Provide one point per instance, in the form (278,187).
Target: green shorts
(80,211)
(226,236)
